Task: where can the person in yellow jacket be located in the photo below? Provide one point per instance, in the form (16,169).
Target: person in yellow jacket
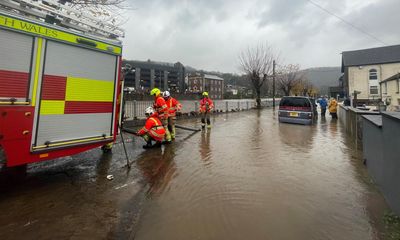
(333,108)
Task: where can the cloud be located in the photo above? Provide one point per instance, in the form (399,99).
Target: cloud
(209,34)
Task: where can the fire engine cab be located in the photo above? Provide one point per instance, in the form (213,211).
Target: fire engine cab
(59,81)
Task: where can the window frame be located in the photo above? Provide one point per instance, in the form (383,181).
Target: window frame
(373,74)
(375,88)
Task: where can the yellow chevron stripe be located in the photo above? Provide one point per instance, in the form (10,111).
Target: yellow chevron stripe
(37,70)
(83,89)
(48,107)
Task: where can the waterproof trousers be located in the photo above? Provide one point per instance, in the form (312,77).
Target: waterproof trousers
(205,116)
(167,136)
(171,126)
(323,111)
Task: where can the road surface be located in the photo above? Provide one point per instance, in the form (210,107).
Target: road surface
(249,177)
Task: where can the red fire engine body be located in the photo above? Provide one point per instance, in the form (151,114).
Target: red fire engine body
(59,90)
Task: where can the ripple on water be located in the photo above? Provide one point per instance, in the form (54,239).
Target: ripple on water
(253,178)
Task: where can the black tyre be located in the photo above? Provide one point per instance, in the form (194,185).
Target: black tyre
(106,149)
(2,159)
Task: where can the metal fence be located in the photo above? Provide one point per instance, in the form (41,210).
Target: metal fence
(135,109)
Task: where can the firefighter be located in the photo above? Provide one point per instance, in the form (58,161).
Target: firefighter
(173,106)
(161,108)
(153,130)
(206,106)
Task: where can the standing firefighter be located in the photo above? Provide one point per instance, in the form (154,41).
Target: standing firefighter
(206,106)
(160,106)
(173,106)
(153,130)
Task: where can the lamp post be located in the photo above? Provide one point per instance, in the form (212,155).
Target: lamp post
(273,83)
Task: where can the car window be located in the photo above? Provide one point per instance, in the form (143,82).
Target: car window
(295,102)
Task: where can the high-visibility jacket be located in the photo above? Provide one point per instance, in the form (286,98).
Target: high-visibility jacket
(332,106)
(161,107)
(173,106)
(153,127)
(206,105)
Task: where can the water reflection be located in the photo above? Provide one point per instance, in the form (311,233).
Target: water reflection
(103,167)
(297,136)
(205,149)
(158,168)
(333,129)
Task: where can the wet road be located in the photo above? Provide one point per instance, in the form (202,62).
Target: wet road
(249,177)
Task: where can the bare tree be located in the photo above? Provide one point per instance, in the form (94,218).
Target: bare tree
(288,77)
(111,11)
(256,62)
(96,3)
(305,88)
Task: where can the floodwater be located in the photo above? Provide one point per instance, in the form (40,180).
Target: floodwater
(249,177)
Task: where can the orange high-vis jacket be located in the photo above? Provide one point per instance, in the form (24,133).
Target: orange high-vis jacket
(173,106)
(153,127)
(161,107)
(206,105)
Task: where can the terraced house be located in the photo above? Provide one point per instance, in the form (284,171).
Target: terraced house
(374,74)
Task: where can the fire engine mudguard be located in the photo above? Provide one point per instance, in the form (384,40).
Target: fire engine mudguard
(2,159)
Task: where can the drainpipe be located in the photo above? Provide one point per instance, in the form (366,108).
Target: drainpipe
(380,80)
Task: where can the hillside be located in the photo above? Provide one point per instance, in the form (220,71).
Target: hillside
(321,77)
(324,77)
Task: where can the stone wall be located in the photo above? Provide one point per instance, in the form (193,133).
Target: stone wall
(381,151)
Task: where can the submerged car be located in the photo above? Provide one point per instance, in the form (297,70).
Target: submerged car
(300,110)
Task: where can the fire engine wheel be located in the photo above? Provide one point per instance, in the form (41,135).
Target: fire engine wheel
(107,148)
(2,160)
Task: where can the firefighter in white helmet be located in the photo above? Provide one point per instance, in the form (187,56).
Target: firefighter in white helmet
(173,106)
(153,130)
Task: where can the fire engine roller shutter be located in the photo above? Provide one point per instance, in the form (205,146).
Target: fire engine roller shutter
(77,94)
(15,62)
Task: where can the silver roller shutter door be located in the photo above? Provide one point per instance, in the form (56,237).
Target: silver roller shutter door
(70,61)
(15,62)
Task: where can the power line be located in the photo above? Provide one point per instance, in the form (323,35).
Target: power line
(347,22)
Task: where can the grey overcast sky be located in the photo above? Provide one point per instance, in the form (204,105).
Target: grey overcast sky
(209,34)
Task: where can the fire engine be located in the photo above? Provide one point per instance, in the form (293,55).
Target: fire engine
(60,82)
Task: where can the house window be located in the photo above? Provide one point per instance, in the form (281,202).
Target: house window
(398,85)
(373,90)
(373,74)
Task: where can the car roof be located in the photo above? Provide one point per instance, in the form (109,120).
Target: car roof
(296,97)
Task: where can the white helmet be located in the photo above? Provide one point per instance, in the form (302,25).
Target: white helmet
(149,111)
(166,94)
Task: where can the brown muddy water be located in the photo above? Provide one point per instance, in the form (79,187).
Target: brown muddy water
(249,177)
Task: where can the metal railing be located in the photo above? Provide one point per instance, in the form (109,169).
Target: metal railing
(135,109)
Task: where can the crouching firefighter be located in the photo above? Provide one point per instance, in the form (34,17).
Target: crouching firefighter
(153,130)
(206,107)
(173,106)
(160,106)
